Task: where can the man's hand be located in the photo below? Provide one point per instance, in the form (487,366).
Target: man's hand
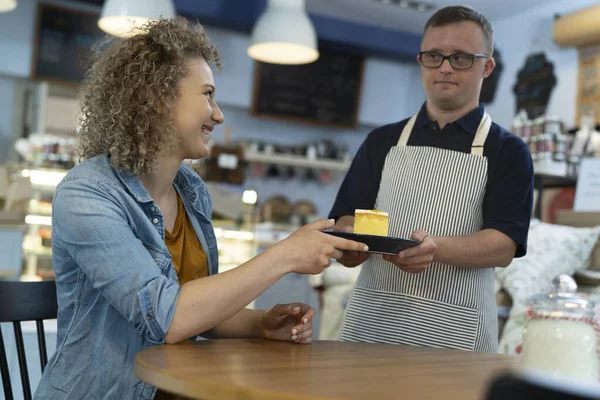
(349,259)
(416,259)
(289,322)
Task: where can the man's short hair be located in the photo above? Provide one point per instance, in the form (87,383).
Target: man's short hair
(456,14)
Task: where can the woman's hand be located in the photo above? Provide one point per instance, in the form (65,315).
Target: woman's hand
(350,259)
(289,323)
(309,251)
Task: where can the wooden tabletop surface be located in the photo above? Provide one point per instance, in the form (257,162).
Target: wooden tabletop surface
(257,369)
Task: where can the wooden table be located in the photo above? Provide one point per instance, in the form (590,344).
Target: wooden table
(257,369)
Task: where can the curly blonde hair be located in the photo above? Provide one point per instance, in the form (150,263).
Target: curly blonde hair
(129,91)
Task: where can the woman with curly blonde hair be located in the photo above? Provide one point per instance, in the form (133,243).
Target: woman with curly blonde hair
(134,251)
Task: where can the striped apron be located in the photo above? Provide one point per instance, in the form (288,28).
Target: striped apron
(440,191)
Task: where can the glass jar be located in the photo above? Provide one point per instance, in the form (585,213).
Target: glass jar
(560,336)
(560,149)
(533,147)
(527,131)
(544,146)
(553,125)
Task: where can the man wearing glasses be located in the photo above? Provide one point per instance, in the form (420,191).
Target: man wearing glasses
(452,179)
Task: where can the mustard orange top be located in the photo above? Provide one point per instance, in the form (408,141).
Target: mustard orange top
(189,258)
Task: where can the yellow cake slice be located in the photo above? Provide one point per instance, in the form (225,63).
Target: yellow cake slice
(371,222)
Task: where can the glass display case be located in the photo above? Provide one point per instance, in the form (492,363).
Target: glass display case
(236,245)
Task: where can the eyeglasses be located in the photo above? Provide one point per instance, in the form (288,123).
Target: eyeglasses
(460,61)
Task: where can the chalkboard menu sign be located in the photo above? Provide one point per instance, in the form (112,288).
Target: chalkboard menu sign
(62,42)
(326,91)
(535,83)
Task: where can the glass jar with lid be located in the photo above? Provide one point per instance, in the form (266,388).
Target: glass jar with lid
(560,336)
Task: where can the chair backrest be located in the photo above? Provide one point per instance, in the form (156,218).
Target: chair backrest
(25,301)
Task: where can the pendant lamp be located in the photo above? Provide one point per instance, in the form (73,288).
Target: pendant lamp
(123,18)
(284,34)
(7,5)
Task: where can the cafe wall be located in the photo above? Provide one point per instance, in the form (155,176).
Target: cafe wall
(381,101)
(528,32)
(6,106)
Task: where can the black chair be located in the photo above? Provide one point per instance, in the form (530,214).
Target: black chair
(25,301)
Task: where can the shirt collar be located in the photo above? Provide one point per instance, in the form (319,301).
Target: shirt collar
(134,185)
(469,122)
(185,180)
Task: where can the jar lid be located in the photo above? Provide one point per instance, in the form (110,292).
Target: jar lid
(562,299)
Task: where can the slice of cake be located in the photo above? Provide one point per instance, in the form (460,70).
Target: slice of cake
(371,222)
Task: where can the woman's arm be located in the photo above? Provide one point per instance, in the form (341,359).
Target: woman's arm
(92,226)
(207,302)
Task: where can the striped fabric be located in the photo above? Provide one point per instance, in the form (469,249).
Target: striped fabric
(440,191)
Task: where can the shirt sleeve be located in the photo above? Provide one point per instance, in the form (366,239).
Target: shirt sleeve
(508,201)
(361,184)
(91,225)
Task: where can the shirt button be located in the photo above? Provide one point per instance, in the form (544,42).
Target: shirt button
(155,221)
(149,316)
(153,209)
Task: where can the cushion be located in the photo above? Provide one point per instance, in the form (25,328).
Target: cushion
(552,250)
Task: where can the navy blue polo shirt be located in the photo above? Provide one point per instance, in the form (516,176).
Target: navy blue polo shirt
(508,200)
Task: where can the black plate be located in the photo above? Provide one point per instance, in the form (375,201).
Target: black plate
(379,244)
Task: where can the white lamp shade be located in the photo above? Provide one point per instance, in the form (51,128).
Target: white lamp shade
(123,18)
(284,34)
(7,5)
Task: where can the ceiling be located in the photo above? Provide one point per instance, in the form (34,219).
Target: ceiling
(390,16)
(366,27)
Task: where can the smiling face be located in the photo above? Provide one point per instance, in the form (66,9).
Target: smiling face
(447,88)
(195,112)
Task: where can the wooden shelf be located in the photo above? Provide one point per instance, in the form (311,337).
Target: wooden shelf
(553,181)
(297,161)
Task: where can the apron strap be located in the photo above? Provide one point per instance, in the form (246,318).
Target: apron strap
(481,135)
(478,141)
(407,130)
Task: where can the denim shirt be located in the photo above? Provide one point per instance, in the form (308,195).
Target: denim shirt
(117,288)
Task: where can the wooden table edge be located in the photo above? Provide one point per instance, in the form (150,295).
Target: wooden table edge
(202,388)
(152,375)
